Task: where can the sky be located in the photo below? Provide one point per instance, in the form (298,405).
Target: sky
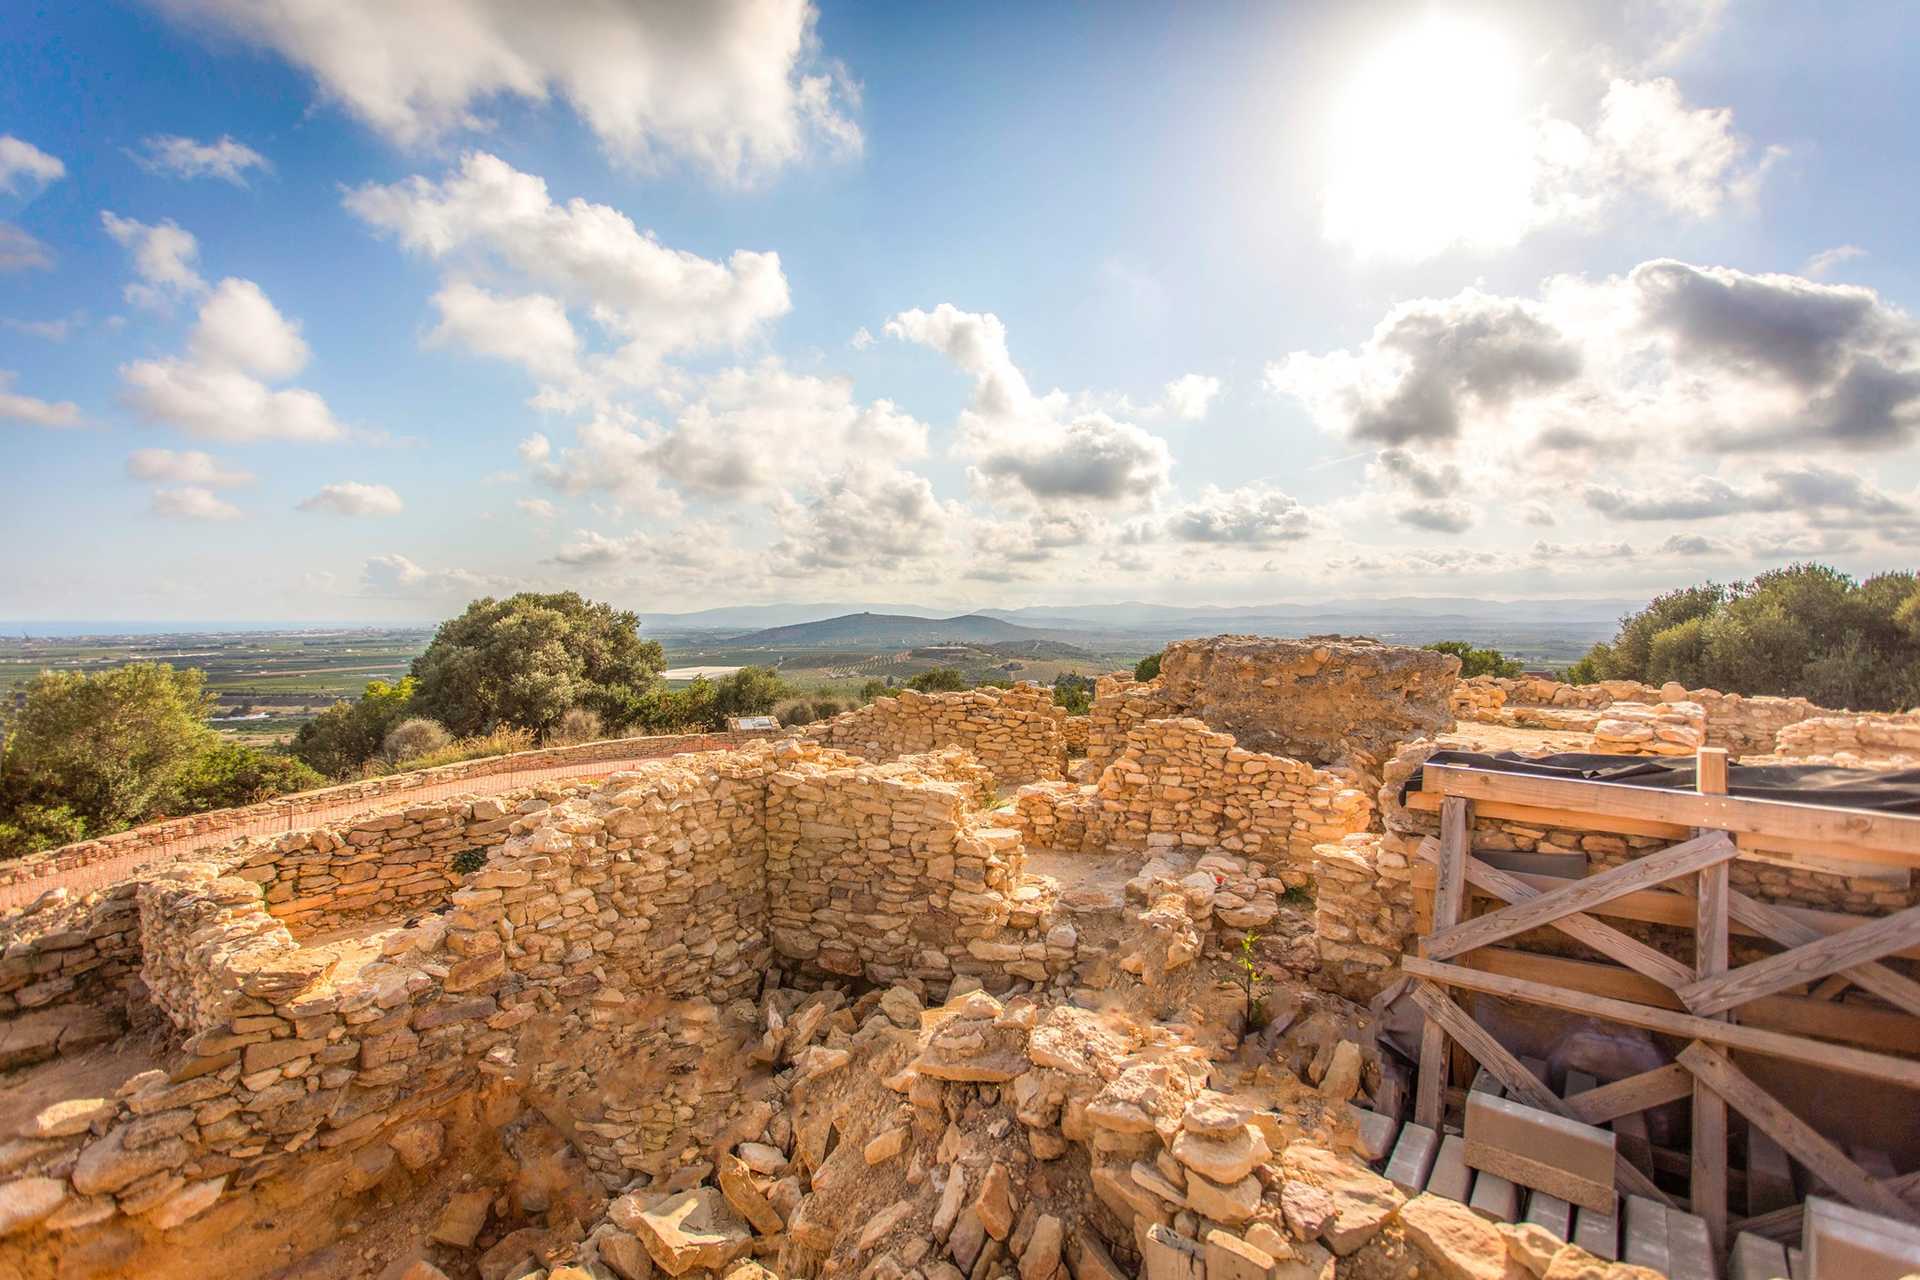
(352,310)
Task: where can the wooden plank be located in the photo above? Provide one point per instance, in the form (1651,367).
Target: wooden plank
(1681,859)
(1710,771)
(1603,938)
(1707,1178)
(1800,965)
(1884,1030)
(1856,828)
(1449,897)
(1783,1222)
(1521,1083)
(1635,1093)
(1822,1157)
(1763,918)
(1659,906)
(1684,1025)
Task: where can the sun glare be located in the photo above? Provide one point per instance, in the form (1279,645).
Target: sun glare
(1429,145)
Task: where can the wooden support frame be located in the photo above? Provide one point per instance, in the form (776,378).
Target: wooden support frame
(1789,931)
(1803,964)
(1685,1026)
(1715,1070)
(1449,897)
(1682,859)
(1634,1093)
(1707,1175)
(1521,1083)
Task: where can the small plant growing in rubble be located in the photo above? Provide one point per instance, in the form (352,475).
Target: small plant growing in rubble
(1251,981)
(468,861)
(1297,895)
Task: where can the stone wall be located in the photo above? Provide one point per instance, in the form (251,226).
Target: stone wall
(1323,699)
(1178,784)
(1869,741)
(1016,733)
(282,811)
(1663,729)
(1742,725)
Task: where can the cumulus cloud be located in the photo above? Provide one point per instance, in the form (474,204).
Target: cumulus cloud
(865,518)
(538,508)
(1189,396)
(354,498)
(1703,358)
(1810,489)
(395,576)
(1252,516)
(19,251)
(1029,447)
(25,168)
(1538,514)
(738,88)
(32,411)
(193,502)
(1695,544)
(219,389)
(184,467)
(175,156)
(1820,264)
(50,330)
(163,258)
(1560,552)
(488,220)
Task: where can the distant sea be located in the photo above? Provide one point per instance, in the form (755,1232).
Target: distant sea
(58,629)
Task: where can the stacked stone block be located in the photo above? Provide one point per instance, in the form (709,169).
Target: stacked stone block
(1016,733)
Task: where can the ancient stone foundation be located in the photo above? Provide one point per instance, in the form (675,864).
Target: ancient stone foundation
(1016,733)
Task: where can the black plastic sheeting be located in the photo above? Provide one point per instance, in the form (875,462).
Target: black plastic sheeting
(1887,791)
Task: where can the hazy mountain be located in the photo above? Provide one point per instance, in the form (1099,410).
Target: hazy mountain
(744,616)
(871,630)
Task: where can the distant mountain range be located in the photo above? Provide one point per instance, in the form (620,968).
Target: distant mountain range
(883,630)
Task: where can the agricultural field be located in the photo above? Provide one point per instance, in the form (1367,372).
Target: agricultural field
(839,672)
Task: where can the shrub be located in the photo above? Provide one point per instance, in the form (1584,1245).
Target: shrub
(347,735)
(414,737)
(1476,662)
(881,689)
(1073,692)
(939,680)
(500,742)
(578,725)
(468,861)
(1148,667)
(230,775)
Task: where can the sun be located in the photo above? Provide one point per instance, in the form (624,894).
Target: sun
(1429,147)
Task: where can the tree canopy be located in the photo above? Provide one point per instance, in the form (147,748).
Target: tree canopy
(1476,662)
(1806,629)
(348,734)
(527,659)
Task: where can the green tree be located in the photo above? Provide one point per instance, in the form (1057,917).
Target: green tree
(939,680)
(881,689)
(1074,692)
(1477,662)
(750,691)
(231,774)
(105,749)
(525,660)
(1148,667)
(348,734)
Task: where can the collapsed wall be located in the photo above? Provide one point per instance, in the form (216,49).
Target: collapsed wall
(1740,724)
(1016,733)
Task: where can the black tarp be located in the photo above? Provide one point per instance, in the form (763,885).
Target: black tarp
(1883,790)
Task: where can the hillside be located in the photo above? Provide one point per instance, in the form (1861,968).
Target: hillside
(890,630)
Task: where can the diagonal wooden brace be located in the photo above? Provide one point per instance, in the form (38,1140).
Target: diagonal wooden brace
(1788,932)
(1846,950)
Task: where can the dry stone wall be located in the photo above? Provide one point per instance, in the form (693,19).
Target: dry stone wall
(1882,741)
(1016,733)
(1742,725)
(1663,729)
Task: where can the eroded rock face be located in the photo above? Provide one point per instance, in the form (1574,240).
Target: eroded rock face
(1319,699)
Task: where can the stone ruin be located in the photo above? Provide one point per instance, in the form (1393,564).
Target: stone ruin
(919,995)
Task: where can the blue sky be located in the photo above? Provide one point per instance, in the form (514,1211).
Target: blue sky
(326,310)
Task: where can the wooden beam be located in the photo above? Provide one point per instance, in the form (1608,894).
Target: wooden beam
(1660,906)
(1521,1083)
(1681,859)
(1784,929)
(1784,1223)
(1803,964)
(1635,1093)
(1821,1157)
(1707,1179)
(1686,1026)
(1867,1028)
(1449,897)
(1603,938)
(1710,771)
(1893,833)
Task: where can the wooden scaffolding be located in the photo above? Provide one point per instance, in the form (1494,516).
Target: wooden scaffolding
(1784,1005)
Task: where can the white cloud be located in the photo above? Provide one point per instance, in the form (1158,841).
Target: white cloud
(1188,397)
(19,251)
(188,158)
(531,330)
(1702,358)
(163,258)
(862,339)
(1439,141)
(1821,263)
(35,412)
(393,575)
(538,508)
(866,518)
(217,390)
(1253,516)
(1027,448)
(736,87)
(650,302)
(193,503)
(51,330)
(188,467)
(25,168)
(353,498)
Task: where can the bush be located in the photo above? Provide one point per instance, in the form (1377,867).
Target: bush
(231,775)
(577,726)
(346,735)
(939,680)
(881,689)
(468,861)
(500,742)
(1148,667)
(1477,662)
(1073,692)
(414,737)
